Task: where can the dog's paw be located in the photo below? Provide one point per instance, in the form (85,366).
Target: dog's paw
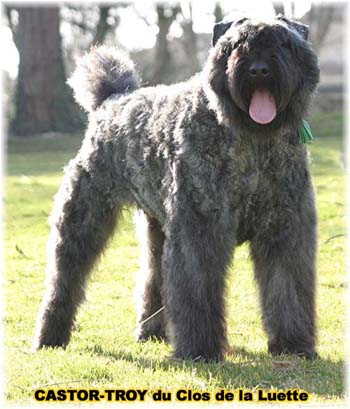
(151,333)
(302,352)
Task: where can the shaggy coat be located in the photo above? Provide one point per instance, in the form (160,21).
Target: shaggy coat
(207,178)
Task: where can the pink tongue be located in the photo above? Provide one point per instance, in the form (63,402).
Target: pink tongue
(262,107)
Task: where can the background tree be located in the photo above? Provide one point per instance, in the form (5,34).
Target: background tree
(43,100)
(190,38)
(103,26)
(279,7)
(92,23)
(163,60)
(38,99)
(320,18)
(218,13)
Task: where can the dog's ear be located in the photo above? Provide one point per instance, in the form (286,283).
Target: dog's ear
(300,28)
(221,28)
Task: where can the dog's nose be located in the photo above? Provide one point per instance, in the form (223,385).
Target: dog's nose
(259,69)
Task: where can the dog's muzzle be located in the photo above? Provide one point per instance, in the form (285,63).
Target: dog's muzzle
(262,105)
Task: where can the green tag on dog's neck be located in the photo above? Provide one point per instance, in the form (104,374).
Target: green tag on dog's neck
(305,133)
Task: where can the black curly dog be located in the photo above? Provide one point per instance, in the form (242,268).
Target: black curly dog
(212,162)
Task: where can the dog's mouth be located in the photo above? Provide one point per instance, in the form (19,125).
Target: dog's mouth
(262,107)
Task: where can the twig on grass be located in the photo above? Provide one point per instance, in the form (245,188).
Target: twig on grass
(334,237)
(57,383)
(20,387)
(20,251)
(151,316)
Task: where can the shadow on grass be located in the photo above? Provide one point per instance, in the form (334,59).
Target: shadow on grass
(249,370)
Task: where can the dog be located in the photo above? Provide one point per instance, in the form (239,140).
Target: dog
(211,163)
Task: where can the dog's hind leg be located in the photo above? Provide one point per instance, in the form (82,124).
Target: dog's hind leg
(85,214)
(151,319)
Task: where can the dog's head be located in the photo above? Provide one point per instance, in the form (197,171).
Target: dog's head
(261,75)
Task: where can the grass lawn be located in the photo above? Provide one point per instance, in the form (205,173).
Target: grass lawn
(103,352)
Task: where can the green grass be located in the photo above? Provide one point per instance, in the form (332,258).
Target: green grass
(103,352)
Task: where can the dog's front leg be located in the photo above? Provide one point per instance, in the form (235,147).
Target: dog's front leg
(196,254)
(284,260)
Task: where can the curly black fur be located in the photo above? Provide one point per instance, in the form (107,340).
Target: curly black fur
(103,72)
(207,178)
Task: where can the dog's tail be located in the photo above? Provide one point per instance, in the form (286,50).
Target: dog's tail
(102,72)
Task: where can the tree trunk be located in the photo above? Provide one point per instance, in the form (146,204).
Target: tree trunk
(44,101)
(279,7)
(190,42)
(162,70)
(218,13)
(102,27)
(320,18)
